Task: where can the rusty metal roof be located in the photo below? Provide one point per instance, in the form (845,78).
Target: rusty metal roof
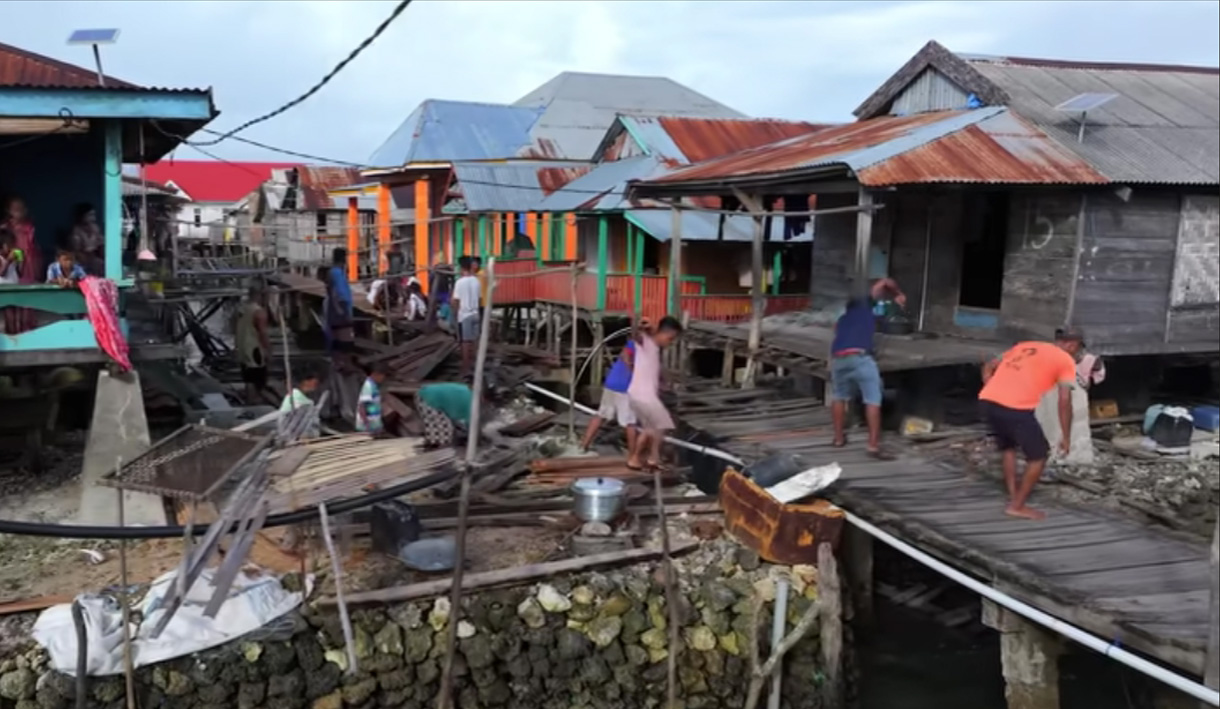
(989,145)
(19,67)
(699,139)
(316,181)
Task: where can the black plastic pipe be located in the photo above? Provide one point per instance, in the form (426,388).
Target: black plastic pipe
(80,531)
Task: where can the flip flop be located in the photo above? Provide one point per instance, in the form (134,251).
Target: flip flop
(636,468)
(881,455)
(659,467)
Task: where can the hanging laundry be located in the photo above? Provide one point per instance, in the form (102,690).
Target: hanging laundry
(102,302)
(795,225)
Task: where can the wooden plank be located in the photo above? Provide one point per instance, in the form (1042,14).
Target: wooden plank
(504,577)
(286,463)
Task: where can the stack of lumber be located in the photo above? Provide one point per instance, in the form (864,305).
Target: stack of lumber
(345,466)
(562,472)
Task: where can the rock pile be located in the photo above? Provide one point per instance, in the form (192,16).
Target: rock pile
(595,641)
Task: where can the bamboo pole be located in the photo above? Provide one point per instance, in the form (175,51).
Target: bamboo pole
(572,366)
(1211,671)
(445,699)
(337,569)
(129,673)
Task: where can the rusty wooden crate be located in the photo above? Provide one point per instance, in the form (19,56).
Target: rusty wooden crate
(780,533)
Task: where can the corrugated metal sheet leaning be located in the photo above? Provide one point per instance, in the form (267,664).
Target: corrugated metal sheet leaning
(705,226)
(988,145)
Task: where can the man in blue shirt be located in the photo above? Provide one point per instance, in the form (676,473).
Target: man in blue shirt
(853,371)
(615,405)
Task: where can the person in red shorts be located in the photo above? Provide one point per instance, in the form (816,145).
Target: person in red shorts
(1013,384)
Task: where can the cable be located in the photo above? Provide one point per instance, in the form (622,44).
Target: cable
(65,114)
(398,10)
(76,531)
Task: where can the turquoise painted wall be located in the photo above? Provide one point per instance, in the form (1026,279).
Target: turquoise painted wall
(53,174)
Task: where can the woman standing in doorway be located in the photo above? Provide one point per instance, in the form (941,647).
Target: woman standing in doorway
(33,269)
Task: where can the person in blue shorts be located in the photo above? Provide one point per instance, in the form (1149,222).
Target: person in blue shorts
(853,371)
(615,405)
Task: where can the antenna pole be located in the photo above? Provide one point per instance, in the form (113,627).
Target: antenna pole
(1084,117)
(97,57)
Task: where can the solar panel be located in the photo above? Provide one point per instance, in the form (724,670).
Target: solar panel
(1086,102)
(94,36)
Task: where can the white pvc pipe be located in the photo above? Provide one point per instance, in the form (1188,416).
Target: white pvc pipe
(777,637)
(1050,622)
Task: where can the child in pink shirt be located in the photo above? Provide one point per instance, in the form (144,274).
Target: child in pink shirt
(644,391)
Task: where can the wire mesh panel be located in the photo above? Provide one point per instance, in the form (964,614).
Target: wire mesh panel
(189,464)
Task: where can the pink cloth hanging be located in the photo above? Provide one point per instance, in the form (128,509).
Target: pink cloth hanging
(102,300)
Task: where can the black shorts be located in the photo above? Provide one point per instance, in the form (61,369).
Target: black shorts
(1015,428)
(342,346)
(254,376)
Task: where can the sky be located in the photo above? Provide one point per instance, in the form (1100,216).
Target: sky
(792,59)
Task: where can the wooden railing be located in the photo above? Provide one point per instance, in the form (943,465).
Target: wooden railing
(525,281)
(736,308)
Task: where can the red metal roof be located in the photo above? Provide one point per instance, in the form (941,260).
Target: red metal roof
(998,147)
(214,181)
(316,181)
(551,179)
(19,67)
(702,139)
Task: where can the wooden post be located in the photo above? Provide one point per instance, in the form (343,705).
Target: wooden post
(603,260)
(353,236)
(1211,668)
(831,626)
(757,293)
(423,257)
(776,265)
(572,366)
(459,239)
(112,204)
(675,260)
(384,232)
(864,236)
(570,237)
(445,700)
(728,366)
(639,272)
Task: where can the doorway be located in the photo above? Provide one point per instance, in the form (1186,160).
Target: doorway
(985,234)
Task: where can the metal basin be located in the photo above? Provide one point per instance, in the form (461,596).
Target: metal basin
(598,499)
(432,555)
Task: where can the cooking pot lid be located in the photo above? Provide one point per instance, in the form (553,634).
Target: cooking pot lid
(599,486)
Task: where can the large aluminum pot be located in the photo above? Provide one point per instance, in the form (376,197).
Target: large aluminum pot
(598,499)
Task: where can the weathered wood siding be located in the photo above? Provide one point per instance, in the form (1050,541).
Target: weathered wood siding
(1038,263)
(834,251)
(930,91)
(1194,315)
(1126,267)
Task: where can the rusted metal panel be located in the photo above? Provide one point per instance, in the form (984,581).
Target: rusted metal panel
(700,139)
(988,145)
(552,179)
(316,181)
(189,464)
(783,534)
(19,67)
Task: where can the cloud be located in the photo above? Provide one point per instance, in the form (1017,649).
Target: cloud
(781,58)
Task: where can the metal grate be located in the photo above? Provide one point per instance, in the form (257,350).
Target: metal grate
(191,463)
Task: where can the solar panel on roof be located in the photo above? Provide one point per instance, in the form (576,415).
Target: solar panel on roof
(100,36)
(1086,102)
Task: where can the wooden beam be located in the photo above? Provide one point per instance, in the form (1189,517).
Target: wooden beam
(675,261)
(423,259)
(864,234)
(1211,667)
(353,235)
(383,228)
(508,577)
(757,292)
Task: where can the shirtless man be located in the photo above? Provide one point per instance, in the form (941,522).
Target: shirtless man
(1013,384)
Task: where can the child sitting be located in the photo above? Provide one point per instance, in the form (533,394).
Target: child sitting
(65,271)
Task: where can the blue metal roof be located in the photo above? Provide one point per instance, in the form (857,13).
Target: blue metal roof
(705,226)
(604,187)
(500,187)
(446,131)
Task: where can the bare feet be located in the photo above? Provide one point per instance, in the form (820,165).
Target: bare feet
(1025,512)
(840,442)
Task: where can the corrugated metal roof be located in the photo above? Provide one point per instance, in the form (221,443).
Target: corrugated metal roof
(987,145)
(316,181)
(19,67)
(134,187)
(692,140)
(502,187)
(1163,127)
(579,108)
(447,131)
(705,226)
(603,188)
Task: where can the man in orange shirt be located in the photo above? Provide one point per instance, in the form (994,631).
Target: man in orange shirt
(1013,384)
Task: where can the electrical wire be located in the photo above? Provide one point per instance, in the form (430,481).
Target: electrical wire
(65,114)
(385,24)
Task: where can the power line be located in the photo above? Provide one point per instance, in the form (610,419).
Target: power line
(398,10)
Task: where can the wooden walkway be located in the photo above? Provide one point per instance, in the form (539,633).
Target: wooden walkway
(807,347)
(1142,586)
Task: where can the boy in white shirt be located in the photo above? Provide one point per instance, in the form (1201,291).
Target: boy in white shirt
(466,294)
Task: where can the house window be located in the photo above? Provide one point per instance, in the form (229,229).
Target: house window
(985,239)
(198,216)
(321,223)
